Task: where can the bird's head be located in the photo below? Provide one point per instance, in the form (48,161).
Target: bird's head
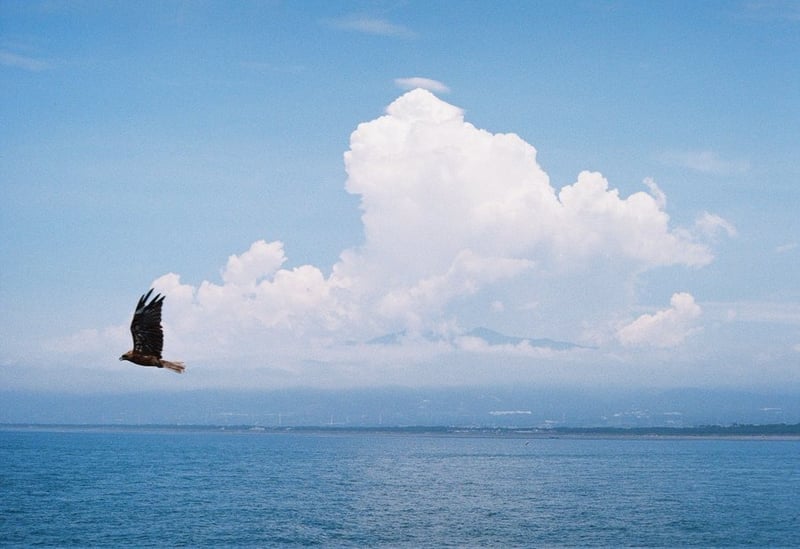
(126,356)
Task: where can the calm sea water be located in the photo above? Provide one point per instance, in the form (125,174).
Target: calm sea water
(397,490)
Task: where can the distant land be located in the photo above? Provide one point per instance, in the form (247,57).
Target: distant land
(780,430)
(515,407)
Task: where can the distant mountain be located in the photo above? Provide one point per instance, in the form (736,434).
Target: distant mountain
(496,338)
(491,338)
(388,339)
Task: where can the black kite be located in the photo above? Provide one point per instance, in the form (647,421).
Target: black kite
(148,337)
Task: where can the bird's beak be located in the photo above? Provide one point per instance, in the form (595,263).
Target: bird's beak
(122,358)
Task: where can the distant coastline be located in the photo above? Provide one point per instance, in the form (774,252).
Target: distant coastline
(735,431)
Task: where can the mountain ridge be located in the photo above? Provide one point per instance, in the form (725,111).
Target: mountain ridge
(491,337)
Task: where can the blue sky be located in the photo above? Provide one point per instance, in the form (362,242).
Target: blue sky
(618,175)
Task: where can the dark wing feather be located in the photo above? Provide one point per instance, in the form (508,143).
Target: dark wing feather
(148,337)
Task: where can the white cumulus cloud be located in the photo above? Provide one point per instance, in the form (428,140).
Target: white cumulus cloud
(260,261)
(424,174)
(665,328)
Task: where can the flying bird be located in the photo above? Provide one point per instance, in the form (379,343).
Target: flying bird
(148,336)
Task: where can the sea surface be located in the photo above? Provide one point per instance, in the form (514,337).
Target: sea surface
(265,489)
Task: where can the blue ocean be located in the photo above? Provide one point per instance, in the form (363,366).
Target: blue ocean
(269,489)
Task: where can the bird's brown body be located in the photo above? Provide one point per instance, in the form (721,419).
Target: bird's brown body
(148,336)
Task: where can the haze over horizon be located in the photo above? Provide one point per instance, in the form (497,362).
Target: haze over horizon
(567,195)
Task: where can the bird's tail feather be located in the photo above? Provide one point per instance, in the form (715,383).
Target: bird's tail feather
(177,367)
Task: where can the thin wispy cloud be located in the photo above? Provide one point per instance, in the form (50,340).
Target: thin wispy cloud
(24,62)
(420,82)
(371,25)
(770,10)
(656,192)
(772,312)
(712,225)
(707,162)
(267,67)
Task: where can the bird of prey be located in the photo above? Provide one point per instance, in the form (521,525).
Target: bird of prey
(148,337)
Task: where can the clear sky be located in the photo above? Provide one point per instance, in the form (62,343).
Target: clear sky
(300,178)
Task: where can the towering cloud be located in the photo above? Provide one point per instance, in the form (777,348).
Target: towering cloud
(453,216)
(425,176)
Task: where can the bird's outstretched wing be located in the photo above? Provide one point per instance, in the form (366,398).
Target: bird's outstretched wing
(148,337)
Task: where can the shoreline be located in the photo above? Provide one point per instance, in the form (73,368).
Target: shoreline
(711,432)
